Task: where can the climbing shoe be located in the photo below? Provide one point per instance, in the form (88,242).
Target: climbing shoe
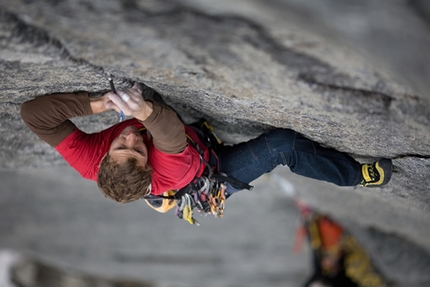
(377,173)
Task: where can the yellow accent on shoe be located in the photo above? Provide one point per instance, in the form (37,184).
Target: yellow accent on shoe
(377,173)
(365,173)
(381,174)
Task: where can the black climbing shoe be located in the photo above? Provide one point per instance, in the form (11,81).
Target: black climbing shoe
(377,173)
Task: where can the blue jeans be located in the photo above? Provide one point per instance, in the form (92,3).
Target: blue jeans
(249,160)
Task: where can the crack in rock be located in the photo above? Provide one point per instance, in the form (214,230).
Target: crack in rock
(370,101)
(37,36)
(247,30)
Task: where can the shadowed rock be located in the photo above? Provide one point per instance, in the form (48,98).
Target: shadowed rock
(352,77)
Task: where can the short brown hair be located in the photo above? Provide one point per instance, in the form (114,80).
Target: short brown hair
(123,182)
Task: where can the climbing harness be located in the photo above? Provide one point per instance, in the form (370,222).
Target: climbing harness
(206,194)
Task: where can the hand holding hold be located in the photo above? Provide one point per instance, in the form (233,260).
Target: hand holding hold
(125,97)
(130,101)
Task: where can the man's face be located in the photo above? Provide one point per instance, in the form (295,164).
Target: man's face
(129,144)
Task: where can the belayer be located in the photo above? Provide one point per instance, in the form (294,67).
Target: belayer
(156,155)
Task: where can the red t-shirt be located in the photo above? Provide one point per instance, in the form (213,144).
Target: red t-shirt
(84,153)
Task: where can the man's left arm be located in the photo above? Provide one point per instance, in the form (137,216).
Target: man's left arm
(166,128)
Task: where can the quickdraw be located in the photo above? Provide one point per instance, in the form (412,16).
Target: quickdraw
(207,195)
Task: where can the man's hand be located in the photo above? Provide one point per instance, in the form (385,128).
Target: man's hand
(130,102)
(100,104)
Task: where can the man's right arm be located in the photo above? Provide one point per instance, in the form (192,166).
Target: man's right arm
(48,116)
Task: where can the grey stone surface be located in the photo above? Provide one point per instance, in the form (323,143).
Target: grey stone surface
(242,74)
(351,75)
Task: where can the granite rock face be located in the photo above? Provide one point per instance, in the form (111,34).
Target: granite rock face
(245,67)
(353,77)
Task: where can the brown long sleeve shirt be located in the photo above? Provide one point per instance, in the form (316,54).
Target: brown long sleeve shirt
(48,117)
(174,162)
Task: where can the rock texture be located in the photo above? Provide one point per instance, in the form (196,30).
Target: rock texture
(350,76)
(245,68)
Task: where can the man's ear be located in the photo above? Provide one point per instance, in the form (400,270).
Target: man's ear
(100,162)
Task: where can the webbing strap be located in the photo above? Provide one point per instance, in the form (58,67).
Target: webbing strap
(235,183)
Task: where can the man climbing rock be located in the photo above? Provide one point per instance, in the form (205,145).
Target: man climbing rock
(154,152)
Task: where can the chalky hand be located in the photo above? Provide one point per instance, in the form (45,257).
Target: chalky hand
(131,103)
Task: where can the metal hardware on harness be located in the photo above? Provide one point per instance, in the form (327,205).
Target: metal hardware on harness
(206,195)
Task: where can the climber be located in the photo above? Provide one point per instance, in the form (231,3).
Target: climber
(339,260)
(130,162)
